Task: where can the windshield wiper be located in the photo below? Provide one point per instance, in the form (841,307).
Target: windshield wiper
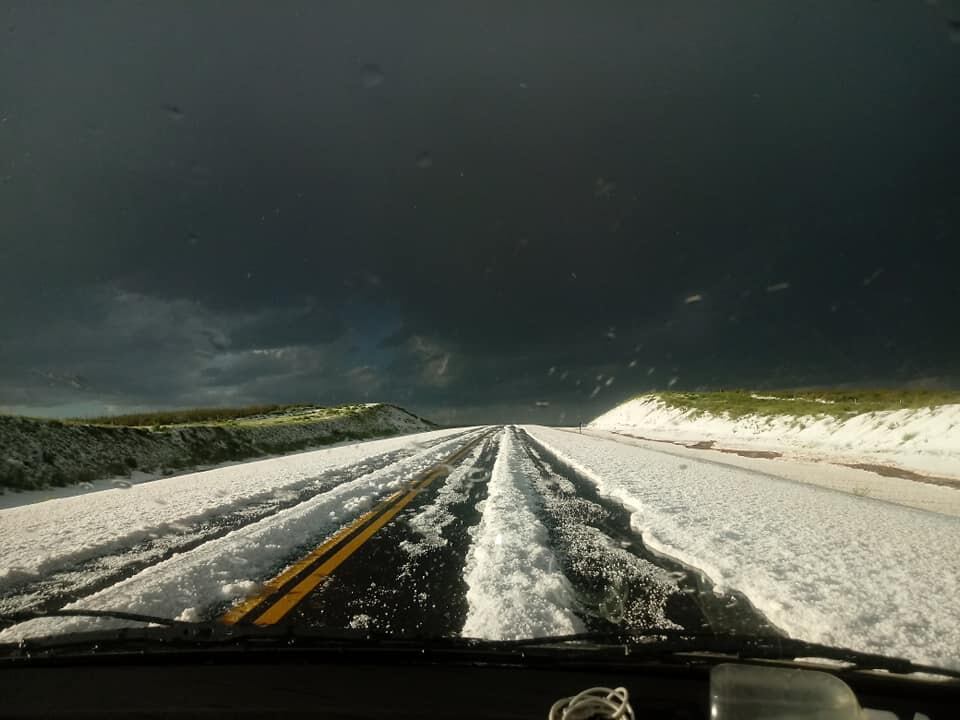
(746,647)
(7,619)
(648,643)
(171,632)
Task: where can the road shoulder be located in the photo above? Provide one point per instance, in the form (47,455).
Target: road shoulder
(823,472)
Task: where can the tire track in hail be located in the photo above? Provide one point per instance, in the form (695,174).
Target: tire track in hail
(622,583)
(408,579)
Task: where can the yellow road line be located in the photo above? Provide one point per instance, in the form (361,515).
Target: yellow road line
(292,597)
(287,601)
(238,612)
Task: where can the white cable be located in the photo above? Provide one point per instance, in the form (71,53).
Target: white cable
(599,702)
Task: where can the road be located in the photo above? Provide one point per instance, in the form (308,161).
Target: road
(493,532)
(390,579)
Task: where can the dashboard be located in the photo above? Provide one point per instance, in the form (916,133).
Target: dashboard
(344,686)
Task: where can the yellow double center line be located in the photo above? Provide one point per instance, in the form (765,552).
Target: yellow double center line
(281,594)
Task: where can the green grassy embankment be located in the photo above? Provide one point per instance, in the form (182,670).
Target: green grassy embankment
(197,416)
(38,453)
(832,403)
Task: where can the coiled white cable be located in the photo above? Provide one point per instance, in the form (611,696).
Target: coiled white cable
(599,702)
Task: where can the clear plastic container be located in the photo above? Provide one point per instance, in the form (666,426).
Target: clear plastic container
(751,692)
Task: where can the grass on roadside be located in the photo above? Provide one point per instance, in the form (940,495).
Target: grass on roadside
(251,414)
(835,403)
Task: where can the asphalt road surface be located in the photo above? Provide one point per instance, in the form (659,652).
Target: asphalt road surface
(495,532)
(399,567)
(384,586)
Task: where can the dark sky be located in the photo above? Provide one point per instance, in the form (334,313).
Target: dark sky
(474,210)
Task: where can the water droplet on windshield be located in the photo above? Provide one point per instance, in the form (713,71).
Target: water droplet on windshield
(603,188)
(424,160)
(872,276)
(371,75)
(174,112)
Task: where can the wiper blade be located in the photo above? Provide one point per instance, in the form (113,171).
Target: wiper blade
(648,643)
(8,619)
(748,647)
(171,633)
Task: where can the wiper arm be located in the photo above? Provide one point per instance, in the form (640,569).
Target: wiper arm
(749,647)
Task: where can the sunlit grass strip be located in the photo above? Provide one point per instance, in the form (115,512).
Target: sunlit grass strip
(194,416)
(834,403)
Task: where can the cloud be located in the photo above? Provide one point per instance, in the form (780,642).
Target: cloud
(605,188)
(133,348)
(433,360)
(364,381)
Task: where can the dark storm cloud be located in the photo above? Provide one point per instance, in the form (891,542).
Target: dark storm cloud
(473,211)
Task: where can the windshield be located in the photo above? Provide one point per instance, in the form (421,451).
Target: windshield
(499,321)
